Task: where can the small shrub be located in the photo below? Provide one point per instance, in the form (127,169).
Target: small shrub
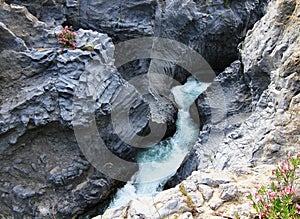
(67,38)
(276,201)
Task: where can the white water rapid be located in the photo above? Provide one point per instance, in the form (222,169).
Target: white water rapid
(158,163)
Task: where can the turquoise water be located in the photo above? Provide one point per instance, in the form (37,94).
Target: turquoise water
(159,162)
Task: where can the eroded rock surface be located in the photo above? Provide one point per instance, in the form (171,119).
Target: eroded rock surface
(40,157)
(212,28)
(44,171)
(260,128)
(204,194)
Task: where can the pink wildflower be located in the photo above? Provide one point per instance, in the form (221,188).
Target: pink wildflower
(257,186)
(258,199)
(67,38)
(272,195)
(289,190)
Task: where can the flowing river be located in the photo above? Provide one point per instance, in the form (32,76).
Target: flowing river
(159,162)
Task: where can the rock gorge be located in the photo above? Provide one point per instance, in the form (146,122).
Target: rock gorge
(253,46)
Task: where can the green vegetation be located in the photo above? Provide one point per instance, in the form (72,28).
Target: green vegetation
(276,201)
(236,216)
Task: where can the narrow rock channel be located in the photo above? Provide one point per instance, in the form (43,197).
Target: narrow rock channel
(158,163)
(252,45)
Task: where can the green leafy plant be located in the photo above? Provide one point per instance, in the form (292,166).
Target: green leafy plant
(276,200)
(67,38)
(237,216)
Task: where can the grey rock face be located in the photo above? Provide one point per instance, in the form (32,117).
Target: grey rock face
(39,152)
(206,191)
(40,159)
(25,26)
(44,171)
(23,193)
(260,128)
(258,137)
(232,86)
(51,12)
(9,40)
(221,107)
(268,54)
(121,20)
(228,192)
(210,27)
(222,200)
